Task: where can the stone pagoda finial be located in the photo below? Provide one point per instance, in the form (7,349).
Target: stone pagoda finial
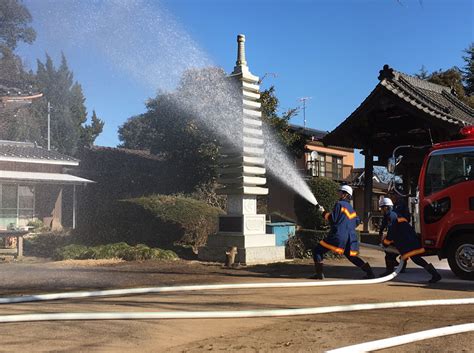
(241,51)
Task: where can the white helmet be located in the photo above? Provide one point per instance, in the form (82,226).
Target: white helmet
(385,201)
(346,188)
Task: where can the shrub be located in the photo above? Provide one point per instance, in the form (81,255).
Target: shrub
(38,226)
(308,239)
(71,251)
(295,248)
(207,193)
(44,244)
(195,218)
(325,191)
(113,251)
(158,221)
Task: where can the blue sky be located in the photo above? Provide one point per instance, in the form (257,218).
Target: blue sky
(330,51)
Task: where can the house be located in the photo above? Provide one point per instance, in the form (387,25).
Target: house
(35,185)
(330,162)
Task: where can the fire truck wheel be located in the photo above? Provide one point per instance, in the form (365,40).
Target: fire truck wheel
(461,256)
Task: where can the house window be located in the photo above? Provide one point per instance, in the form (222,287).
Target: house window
(337,167)
(322,164)
(26,204)
(17,203)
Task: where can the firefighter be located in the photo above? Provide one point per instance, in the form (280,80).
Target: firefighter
(342,238)
(402,235)
(390,257)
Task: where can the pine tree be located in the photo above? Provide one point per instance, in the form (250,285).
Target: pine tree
(90,132)
(68,111)
(14,20)
(468,71)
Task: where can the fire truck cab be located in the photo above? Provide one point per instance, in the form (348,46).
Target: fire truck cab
(443,212)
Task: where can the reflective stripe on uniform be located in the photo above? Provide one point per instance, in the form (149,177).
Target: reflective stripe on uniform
(337,250)
(402,219)
(413,253)
(348,214)
(353,253)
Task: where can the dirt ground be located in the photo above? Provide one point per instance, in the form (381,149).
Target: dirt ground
(312,333)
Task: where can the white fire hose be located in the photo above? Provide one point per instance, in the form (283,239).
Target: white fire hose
(404,339)
(228,314)
(190,288)
(224,314)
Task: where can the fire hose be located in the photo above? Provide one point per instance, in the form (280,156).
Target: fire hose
(236,314)
(228,314)
(193,288)
(404,339)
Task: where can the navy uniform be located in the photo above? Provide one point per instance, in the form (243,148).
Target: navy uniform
(402,235)
(342,238)
(400,208)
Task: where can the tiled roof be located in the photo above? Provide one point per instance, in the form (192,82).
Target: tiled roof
(436,100)
(418,104)
(12,150)
(317,134)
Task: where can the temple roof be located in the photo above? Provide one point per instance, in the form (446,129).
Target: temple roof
(402,109)
(436,100)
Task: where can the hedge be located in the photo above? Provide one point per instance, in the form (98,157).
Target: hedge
(113,251)
(157,220)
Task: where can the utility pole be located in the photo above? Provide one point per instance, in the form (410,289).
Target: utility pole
(304,99)
(49,126)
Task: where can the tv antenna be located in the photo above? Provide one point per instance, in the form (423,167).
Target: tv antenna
(304,99)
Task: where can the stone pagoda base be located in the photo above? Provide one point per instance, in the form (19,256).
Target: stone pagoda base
(251,249)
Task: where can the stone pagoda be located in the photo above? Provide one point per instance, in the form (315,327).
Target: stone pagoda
(242,176)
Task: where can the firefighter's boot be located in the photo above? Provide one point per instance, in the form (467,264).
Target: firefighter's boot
(318,271)
(435,276)
(404,266)
(390,265)
(368,270)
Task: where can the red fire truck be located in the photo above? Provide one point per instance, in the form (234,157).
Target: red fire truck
(443,209)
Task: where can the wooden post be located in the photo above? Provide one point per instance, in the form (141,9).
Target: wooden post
(368,185)
(19,246)
(74,206)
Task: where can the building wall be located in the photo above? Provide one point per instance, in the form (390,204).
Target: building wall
(347,155)
(50,202)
